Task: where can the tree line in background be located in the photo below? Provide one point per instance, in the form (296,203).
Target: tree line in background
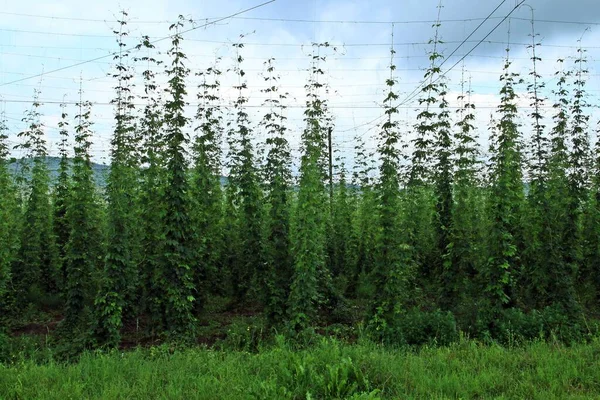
(439,232)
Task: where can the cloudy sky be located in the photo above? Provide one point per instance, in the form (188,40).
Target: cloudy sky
(39,37)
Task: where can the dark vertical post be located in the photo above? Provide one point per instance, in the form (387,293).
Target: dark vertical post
(330,170)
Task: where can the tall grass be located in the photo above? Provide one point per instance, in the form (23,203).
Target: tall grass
(327,370)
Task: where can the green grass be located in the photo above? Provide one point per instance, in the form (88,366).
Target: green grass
(329,369)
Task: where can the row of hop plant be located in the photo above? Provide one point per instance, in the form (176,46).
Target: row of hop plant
(433,229)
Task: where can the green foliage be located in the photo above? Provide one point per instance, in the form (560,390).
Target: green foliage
(340,235)
(579,157)
(506,202)
(578,172)
(152,186)
(328,370)
(426,127)
(308,238)
(21,349)
(84,250)
(508,257)
(206,186)
(364,229)
(244,195)
(536,206)
(307,376)
(590,269)
(177,275)
(248,336)
(35,269)
(394,267)
(552,278)
(416,328)
(441,152)
(120,265)
(427,176)
(61,198)
(278,272)
(8,219)
(551,323)
(461,265)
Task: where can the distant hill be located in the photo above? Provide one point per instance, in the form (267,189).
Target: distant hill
(100,170)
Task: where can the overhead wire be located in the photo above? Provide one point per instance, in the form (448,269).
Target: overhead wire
(312,21)
(411,96)
(351,45)
(212,56)
(339,45)
(461,44)
(153,42)
(302,106)
(414,93)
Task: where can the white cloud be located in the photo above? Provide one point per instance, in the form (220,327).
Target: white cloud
(356,73)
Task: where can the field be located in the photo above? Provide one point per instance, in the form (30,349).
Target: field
(229,252)
(328,369)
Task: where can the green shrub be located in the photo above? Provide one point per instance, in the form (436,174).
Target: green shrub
(514,326)
(18,349)
(365,288)
(245,336)
(323,372)
(416,328)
